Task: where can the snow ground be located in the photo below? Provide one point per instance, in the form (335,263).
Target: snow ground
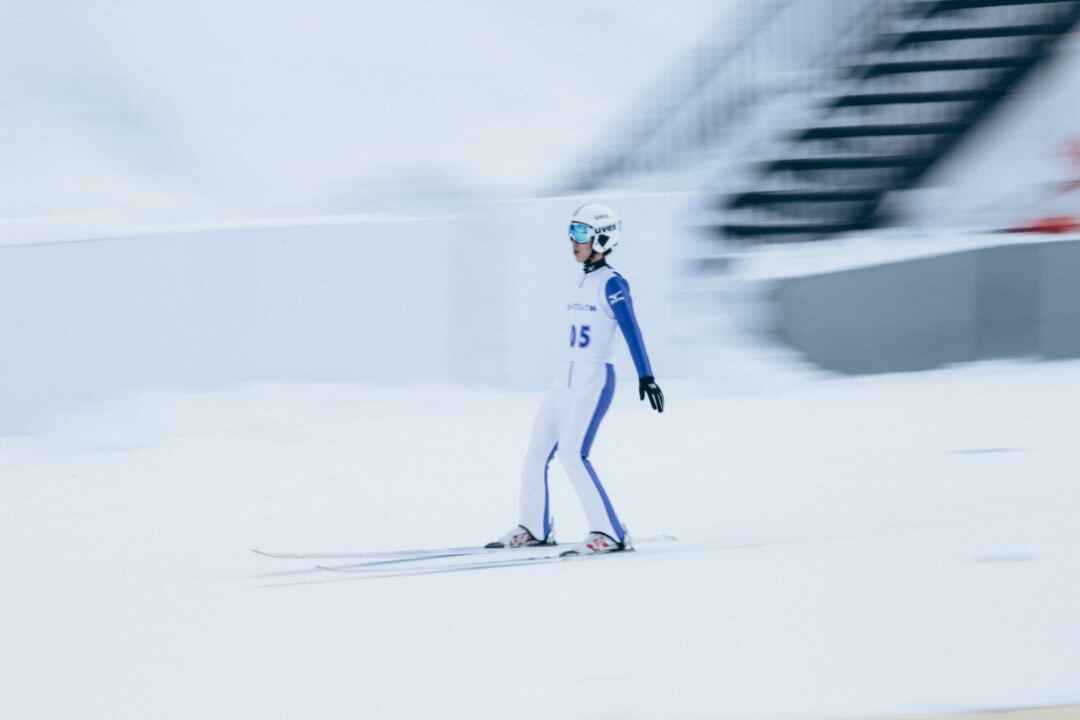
(914,551)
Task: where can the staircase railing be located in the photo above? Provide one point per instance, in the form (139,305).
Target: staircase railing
(891,117)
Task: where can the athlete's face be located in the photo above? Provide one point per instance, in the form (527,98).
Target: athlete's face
(582,251)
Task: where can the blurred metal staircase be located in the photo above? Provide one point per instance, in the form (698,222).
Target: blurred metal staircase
(930,75)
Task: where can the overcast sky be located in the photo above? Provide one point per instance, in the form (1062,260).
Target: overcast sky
(294,107)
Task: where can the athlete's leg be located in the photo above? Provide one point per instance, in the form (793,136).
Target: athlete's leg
(534,513)
(577,431)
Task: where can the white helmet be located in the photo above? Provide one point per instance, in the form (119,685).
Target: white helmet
(597,224)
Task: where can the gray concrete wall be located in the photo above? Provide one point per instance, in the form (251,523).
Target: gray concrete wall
(996,302)
(1059,301)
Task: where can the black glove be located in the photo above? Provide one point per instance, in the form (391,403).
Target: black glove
(647,386)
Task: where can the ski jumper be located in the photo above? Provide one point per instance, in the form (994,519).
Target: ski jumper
(577,401)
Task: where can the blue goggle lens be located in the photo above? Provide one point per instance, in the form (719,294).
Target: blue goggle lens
(580,233)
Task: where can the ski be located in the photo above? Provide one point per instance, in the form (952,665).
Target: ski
(345,574)
(642,550)
(398,571)
(386,557)
(367,555)
(547,553)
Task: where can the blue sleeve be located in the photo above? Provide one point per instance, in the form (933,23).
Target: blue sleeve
(617,292)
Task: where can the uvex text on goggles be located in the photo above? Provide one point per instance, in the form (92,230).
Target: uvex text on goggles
(582,233)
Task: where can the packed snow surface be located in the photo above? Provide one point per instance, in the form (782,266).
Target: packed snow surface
(853,547)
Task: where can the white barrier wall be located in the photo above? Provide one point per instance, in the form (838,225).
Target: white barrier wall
(84,320)
(475,298)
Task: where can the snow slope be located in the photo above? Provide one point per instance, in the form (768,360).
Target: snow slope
(873,546)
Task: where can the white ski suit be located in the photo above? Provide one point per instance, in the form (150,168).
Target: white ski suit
(577,401)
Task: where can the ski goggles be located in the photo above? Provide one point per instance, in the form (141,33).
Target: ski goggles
(581,233)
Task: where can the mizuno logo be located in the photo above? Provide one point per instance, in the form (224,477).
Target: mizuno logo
(616,297)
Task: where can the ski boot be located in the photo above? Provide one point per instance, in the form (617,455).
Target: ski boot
(597,543)
(520,537)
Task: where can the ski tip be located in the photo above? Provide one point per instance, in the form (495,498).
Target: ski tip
(268,554)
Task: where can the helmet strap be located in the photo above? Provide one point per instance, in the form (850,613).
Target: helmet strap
(591,265)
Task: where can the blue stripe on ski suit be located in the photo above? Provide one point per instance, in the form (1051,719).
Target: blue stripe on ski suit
(602,406)
(547,495)
(617,292)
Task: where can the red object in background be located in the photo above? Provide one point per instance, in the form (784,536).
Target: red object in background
(1057,224)
(1050,225)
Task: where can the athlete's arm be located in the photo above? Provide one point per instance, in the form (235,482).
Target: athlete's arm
(617,292)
